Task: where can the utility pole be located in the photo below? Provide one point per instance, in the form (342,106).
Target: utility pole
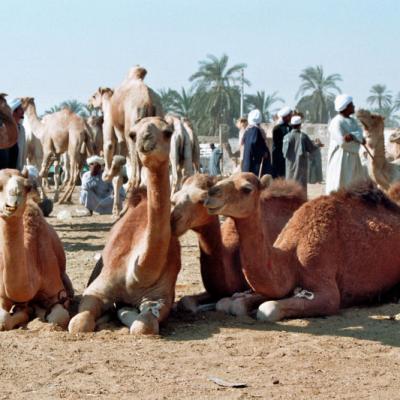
(241,91)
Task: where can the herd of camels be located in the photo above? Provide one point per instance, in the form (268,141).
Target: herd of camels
(276,254)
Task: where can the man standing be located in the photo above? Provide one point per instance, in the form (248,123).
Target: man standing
(278,133)
(214,168)
(296,147)
(256,156)
(344,165)
(97,195)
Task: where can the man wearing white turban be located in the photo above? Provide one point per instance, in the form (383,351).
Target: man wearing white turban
(256,156)
(278,133)
(344,165)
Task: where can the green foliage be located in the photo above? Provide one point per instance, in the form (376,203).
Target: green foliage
(264,103)
(73,105)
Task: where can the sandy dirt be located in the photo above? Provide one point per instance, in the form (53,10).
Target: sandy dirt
(354,355)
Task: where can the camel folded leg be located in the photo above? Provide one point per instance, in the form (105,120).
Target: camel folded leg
(240,304)
(197,303)
(9,320)
(312,304)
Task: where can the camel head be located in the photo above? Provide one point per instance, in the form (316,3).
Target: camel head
(395,137)
(14,188)
(236,196)
(27,101)
(373,125)
(152,137)
(96,100)
(188,204)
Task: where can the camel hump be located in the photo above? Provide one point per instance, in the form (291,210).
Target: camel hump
(284,188)
(137,73)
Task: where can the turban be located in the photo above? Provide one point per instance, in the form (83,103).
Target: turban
(284,112)
(254,117)
(342,101)
(296,120)
(95,159)
(14,104)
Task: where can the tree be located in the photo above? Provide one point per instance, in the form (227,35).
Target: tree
(167,97)
(183,103)
(217,92)
(319,89)
(388,112)
(263,102)
(73,105)
(380,97)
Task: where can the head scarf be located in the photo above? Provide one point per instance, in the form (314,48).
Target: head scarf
(284,112)
(295,120)
(95,159)
(254,117)
(342,101)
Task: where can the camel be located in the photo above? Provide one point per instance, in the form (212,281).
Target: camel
(141,258)
(96,133)
(336,251)
(62,131)
(8,127)
(219,245)
(194,143)
(383,172)
(32,259)
(394,147)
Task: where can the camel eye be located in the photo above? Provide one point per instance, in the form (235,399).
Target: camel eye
(132,135)
(246,189)
(167,133)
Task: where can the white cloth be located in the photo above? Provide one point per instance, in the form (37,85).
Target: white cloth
(284,112)
(295,120)
(14,104)
(21,161)
(344,165)
(95,159)
(342,101)
(254,117)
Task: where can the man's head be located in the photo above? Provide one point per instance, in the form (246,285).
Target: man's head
(17,110)
(285,114)
(344,105)
(95,165)
(242,123)
(295,121)
(212,146)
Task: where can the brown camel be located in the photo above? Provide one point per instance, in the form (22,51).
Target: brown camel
(336,251)
(8,127)
(221,269)
(60,132)
(32,259)
(383,172)
(96,133)
(141,258)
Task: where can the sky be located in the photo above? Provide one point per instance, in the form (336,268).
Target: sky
(56,50)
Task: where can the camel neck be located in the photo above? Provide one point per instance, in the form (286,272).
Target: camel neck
(266,268)
(34,121)
(11,129)
(17,279)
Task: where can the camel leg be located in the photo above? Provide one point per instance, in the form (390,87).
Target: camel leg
(197,303)
(240,304)
(44,170)
(58,315)
(9,321)
(323,302)
(74,172)
(117,183)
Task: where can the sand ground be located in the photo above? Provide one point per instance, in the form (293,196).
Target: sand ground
(354,355)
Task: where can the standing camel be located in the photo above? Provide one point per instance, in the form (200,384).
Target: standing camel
(60,132)
(141,258)
(8,127)
(336,251)
(220,265)
(32,259)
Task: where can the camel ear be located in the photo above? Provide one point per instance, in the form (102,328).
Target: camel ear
(266,181)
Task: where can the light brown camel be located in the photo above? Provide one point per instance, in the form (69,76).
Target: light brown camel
(336,251)
(383,172)
(8,127)
(194,143)
(32,259)
(219,244)
(60,132)
(96,133)
(141,258)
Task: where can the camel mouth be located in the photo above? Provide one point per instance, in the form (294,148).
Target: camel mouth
(9,210)
(213,209)
(147,148)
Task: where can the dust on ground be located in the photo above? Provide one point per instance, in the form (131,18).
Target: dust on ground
(354,355)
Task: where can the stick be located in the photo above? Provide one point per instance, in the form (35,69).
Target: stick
(261,167)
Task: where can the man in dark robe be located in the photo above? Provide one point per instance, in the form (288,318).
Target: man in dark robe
(278,133)
(256,156)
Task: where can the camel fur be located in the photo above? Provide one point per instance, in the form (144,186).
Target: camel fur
(220,265)
(336,251)
(383,172)
(8,127)
(32,259)
(141,258)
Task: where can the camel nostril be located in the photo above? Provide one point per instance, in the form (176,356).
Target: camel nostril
(132,135)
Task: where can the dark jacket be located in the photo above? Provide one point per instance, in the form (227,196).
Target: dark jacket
(278,161)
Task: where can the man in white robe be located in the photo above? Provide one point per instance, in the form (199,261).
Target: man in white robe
(344,165)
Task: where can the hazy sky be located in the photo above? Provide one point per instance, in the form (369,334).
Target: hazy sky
(56,50)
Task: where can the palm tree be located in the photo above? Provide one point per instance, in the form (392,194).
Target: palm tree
(263,103)
(52,110)
(319,88)
(184,103)
(379,97)
(217,91)
(388,111)
(167,97)
(76,107)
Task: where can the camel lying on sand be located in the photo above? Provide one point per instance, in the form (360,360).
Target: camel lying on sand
(141,258)
(221,269)
(8,127)
(383,172)
(336,251)
(60,132)
(32,259)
